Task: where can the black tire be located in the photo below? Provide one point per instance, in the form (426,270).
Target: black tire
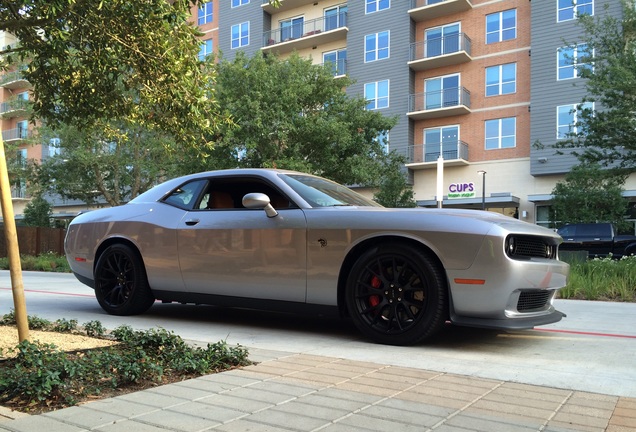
(121,284)
(397,295)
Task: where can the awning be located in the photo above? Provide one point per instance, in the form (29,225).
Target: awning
(494,200)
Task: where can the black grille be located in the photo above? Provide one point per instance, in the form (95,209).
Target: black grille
(533,300)
(530,247)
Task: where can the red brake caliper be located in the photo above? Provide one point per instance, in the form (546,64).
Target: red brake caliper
(376,283)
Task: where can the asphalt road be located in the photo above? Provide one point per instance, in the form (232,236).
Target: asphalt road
(593,349)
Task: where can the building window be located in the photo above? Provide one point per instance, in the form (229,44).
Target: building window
(205,14)
(501,26)
(501,133)
(571,60)
(205,49)
(570,9)
(501,79)
(442,40)
(338,60)
(442,92)
(292,28)
(237,3)
(241,35)
(23,129)
(377,94)
(441,141)
(22,157)
(543,216)
(376,46)
(335,17)
(54,147)
(568,119)
(377,5)
(24,96)
(383,139)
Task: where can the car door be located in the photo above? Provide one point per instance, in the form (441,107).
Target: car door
(228,250)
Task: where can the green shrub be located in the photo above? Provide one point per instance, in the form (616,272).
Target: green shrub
(602,279)
(63,325)
(94,329)
(42,377)
(44,262)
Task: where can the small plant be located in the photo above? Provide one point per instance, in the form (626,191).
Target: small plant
(35,323)
(64,326)
(40,377)
(94,329)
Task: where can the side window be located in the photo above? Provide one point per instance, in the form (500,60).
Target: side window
(228,194)
(186,196)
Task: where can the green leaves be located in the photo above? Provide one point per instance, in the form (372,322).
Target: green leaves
(41,376)
(608,134)
(128,61)
(293,114)
(589,194)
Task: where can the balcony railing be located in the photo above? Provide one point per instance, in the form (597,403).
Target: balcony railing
(15,134)
(438,52)
(13,106)
(423,10)
(18,191)
(305,29)
(13,77)
(431,151)
(439,103)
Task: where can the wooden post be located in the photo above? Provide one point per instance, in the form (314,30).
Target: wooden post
(13,250)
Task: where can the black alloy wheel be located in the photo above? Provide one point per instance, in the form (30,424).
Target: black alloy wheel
(397,295)
(121,284)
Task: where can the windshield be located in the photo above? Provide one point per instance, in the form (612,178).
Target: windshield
(319,192)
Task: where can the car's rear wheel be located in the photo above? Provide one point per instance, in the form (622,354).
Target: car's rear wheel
(121,284)
(397,295)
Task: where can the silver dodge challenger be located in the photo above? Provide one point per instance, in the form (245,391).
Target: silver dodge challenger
(289,241)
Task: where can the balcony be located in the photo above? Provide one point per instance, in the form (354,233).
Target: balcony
(306,34)
(19,191)
(423,10)
(439,103)
(285,5)
(434,53)
(13,80)
(13,108)
(15,134)
(424,156)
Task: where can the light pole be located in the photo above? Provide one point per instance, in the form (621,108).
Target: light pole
(483,188)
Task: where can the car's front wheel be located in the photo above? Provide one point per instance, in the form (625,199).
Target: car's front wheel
(121,284)
(397,295)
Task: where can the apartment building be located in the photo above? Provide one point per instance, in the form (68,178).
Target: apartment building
(14,97)
(473,82)
(556,91)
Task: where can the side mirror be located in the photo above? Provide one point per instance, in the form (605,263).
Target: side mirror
(259,201)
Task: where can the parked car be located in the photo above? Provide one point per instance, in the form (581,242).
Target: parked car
(283,240)
(597,239)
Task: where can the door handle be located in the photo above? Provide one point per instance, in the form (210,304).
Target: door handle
(192,222)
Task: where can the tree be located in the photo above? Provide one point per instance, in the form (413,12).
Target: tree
(38,212)
(607,134)
(394,190)
(109,164)
(117,60)
(293,114)
(589,194)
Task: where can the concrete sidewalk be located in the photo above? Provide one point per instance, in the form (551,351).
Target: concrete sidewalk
(300,392)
